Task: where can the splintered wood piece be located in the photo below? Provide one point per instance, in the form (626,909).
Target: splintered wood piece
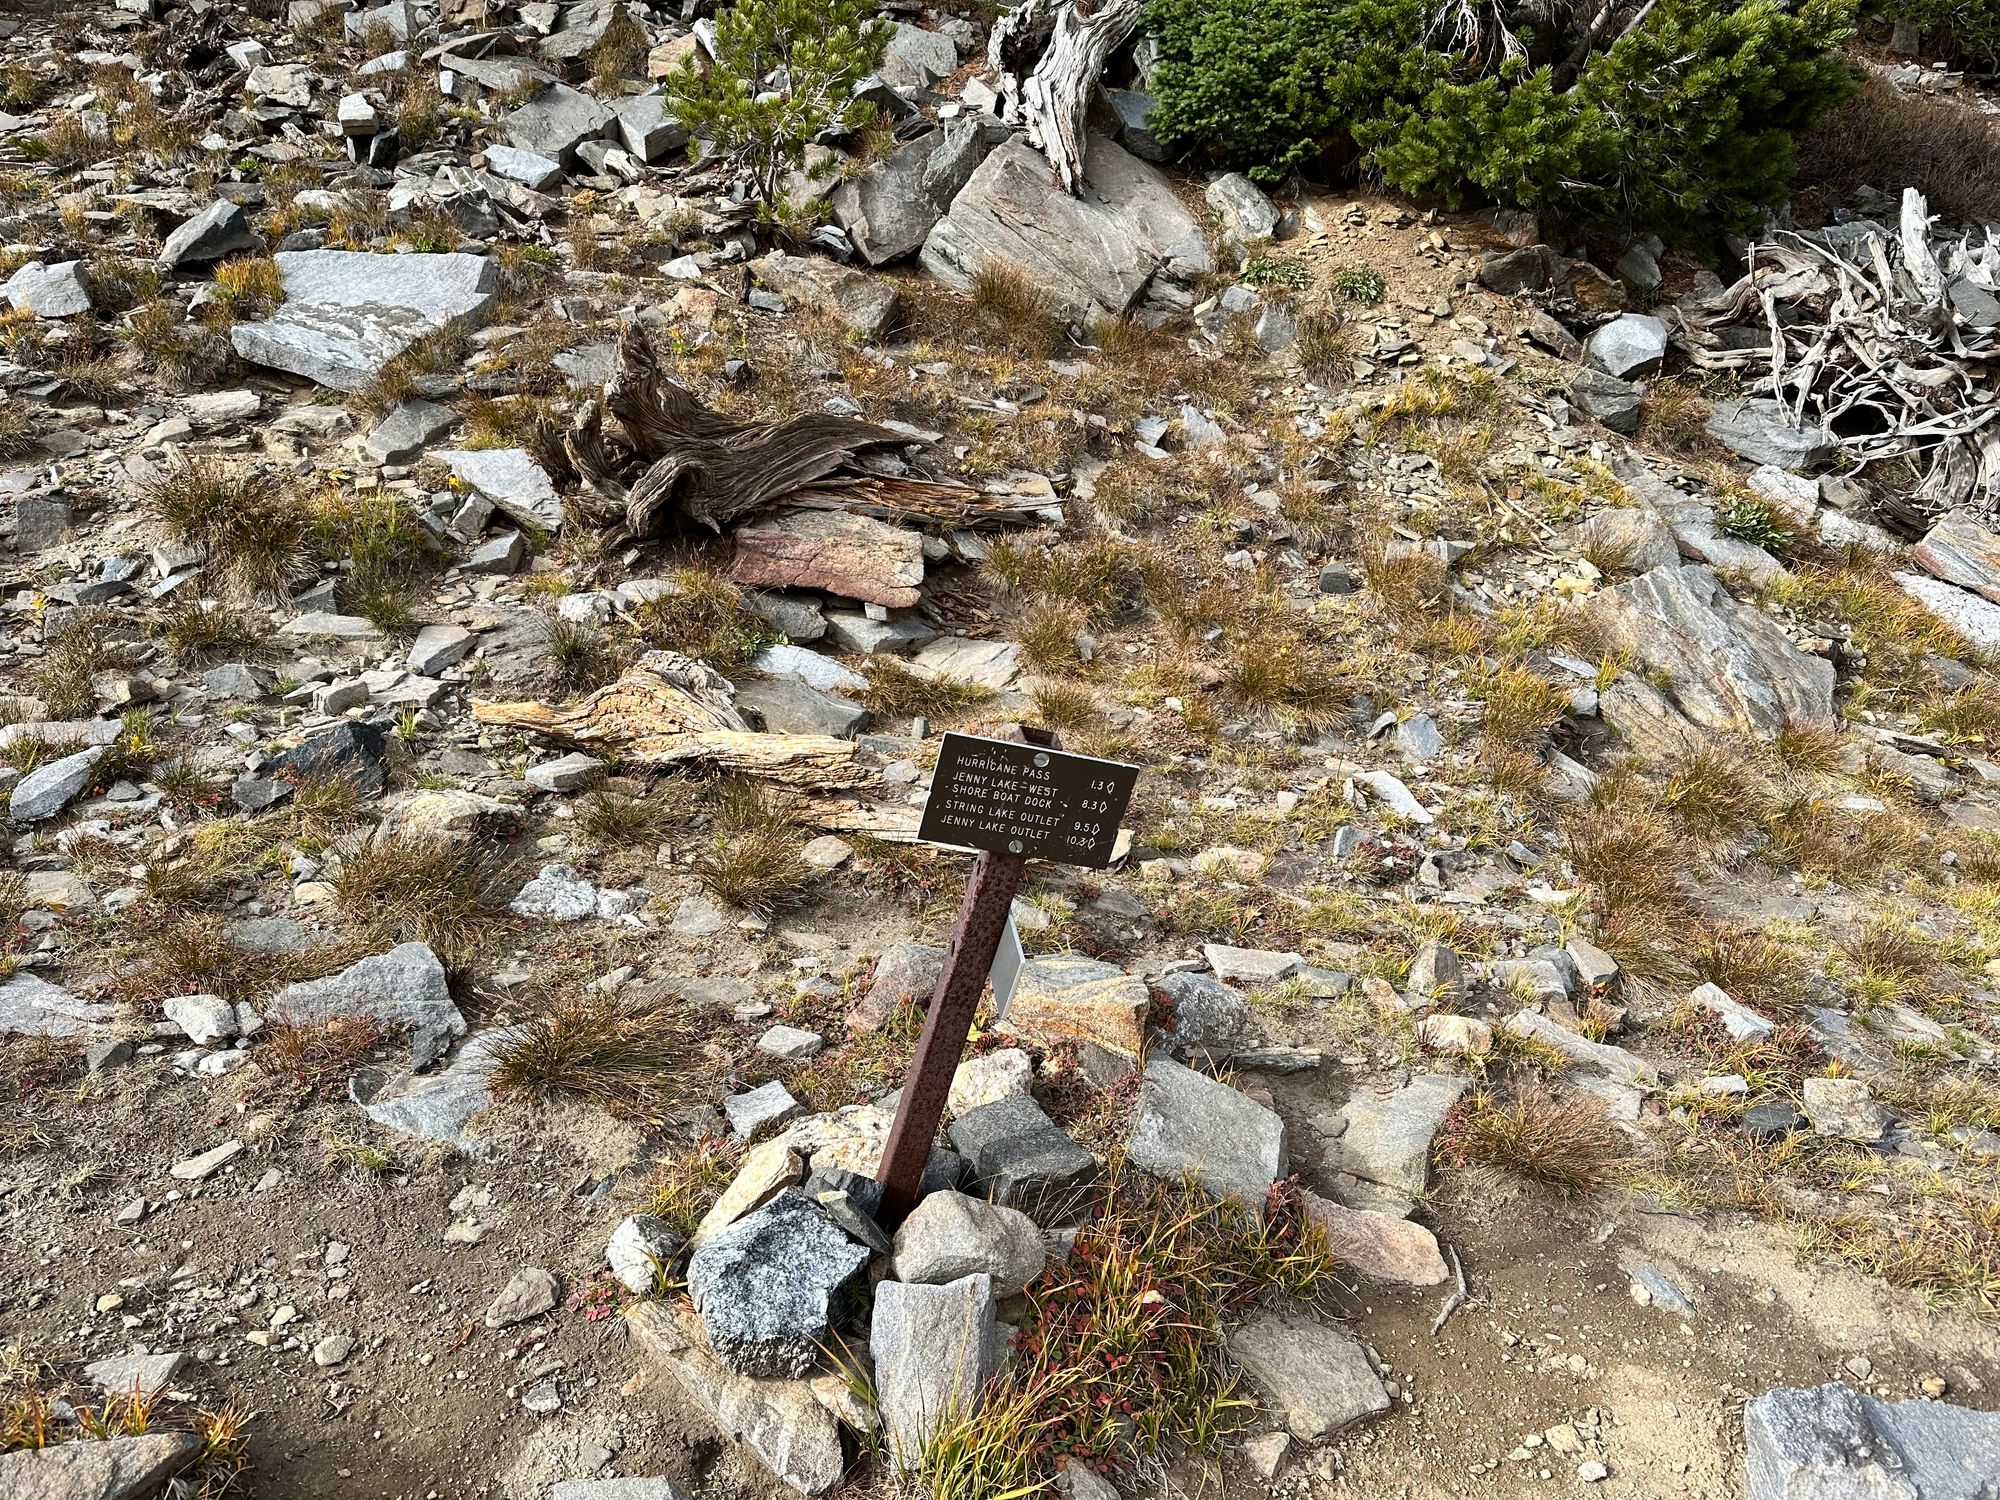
(1050,54)
(650,453)
(669,710)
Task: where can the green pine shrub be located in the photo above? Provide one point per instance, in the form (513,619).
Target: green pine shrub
(1965,33)
(818,51)
(1683,124)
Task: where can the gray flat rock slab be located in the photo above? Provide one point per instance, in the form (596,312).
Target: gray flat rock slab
(348,313)
(1189,1123)
(1388,1138)
(1837,1443)
(1315,1376)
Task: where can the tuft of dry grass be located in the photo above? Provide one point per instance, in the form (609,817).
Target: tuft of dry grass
(704,617)
(185,355)
(1752,967)
(200,631)
(250,286)
(1824,839)
(1325,346)
(1121,1362)
(608,822)
(1049,632)
(432,890)
(1888,138)
(752,857)
(1970,716)
(1521,707)
(644,1062)
(1013,312)
(315,1059)
(895,691)
(1567,1144)
(683,1189)
(191,954)
(1107,576)
(20,433)
(250,533)
(579,658)
(1409,583)
(62,676)
(1632,860)
(1810,749)
(1675,417)
(1714,795)
(1275,670)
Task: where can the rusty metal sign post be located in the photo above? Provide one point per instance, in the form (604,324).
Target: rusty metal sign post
(1010,799)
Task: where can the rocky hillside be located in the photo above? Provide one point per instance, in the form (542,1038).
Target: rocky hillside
(484,593)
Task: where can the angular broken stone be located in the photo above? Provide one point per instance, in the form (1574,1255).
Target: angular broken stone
(769,1104)
(1316,1377)
(1207,1014)
(118,1468)
(792,1434)
(1836,1443)
(1388,1138)
(348,313)
(765,1285)
(1187,1123)
(1066,997)
(889,209)
(1249,965)
(531,1293)
(59,291)
(1844,1108)
(47,790)
(949,1235)
(1728,666)
(123,1375)
(1614,402)
(1740,1021)
(205,1018)
(1631,346)
(935,1348)
(31,1006)
(557,121)
(1127,239)
(1601,1057)
(1017,1154)
(407,430)
(218,230)
(442,1107)
(206,1164)
(1762,431)
(511,479)
(1379,1246)
(637,1250)
(404,987)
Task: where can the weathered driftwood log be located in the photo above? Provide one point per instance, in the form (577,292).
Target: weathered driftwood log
(1881,334)
(670,710)
(1049,55)
(649,452)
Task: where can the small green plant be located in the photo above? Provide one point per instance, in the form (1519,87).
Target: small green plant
(1750,519)
(815,50)
(1359,284)
(1266,270)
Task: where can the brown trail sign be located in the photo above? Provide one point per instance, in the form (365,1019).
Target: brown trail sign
(1013,800)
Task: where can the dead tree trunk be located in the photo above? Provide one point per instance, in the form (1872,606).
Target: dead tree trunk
(1049,55)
